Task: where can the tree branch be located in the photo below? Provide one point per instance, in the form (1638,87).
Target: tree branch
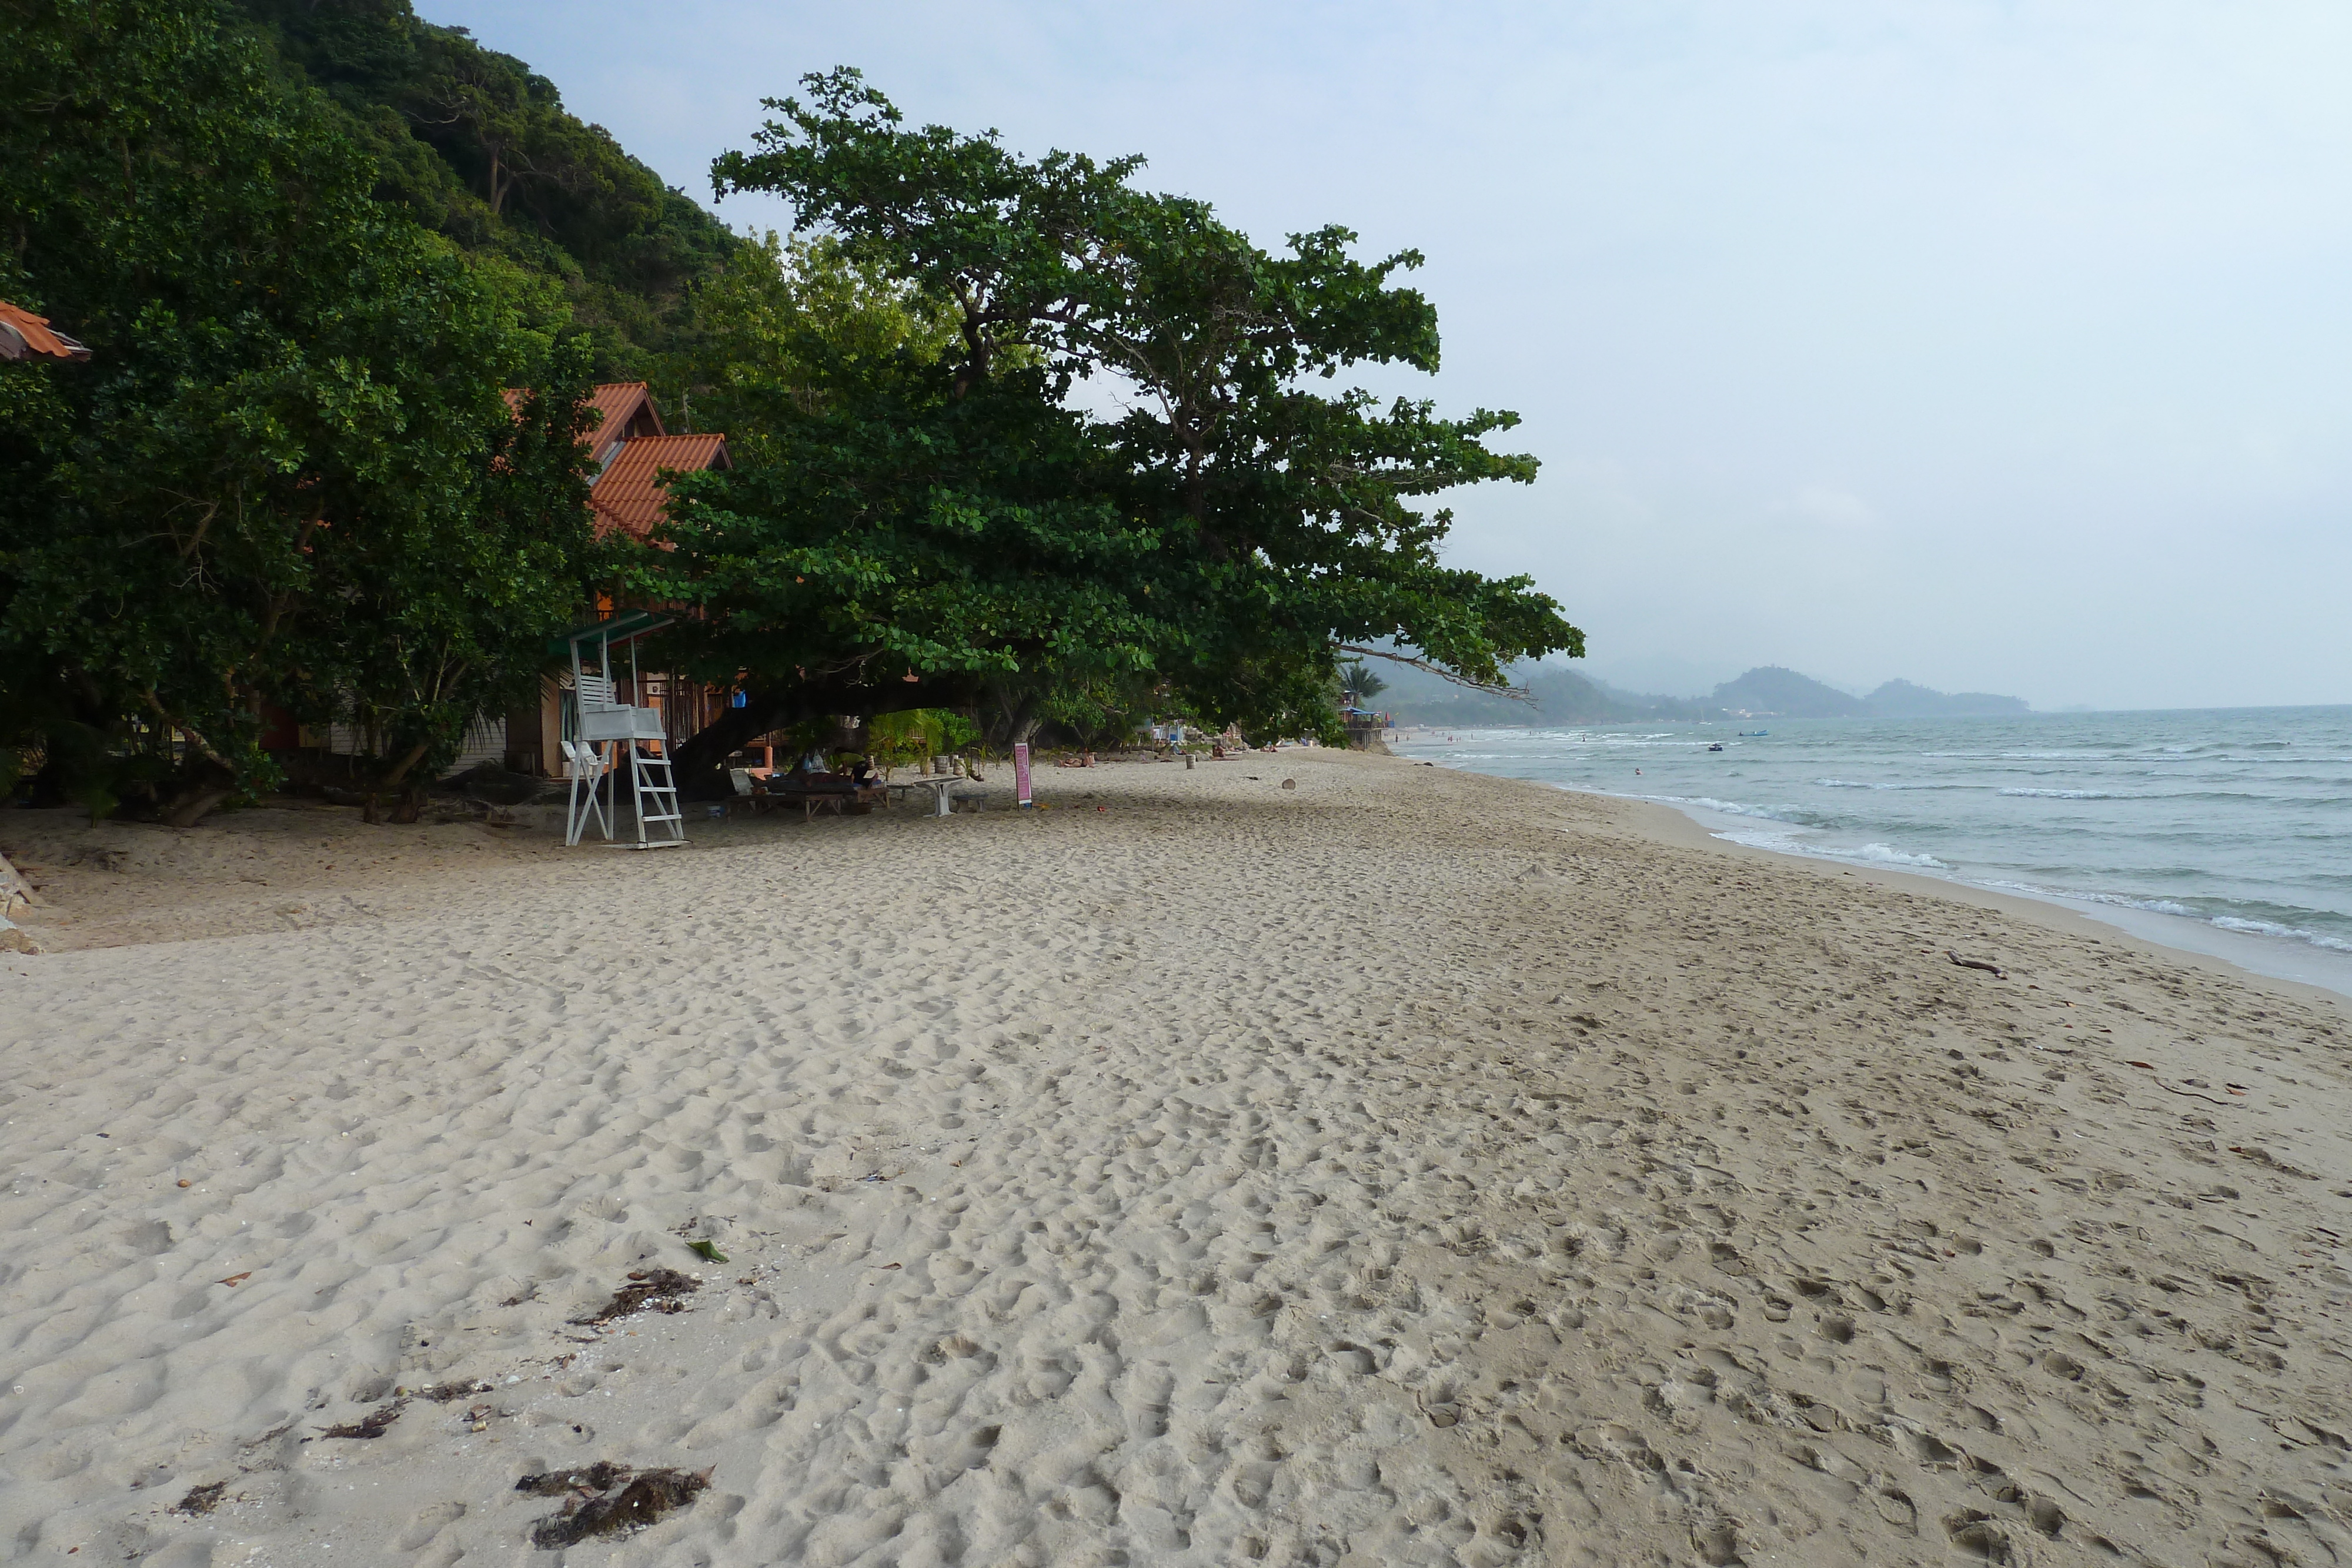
(195,739)
(1517,693)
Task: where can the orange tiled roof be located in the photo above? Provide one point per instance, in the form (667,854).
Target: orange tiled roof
(617,409)
(23,333)
(627,495)
(613,409)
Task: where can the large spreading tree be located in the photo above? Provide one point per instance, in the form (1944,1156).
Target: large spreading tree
(963,515)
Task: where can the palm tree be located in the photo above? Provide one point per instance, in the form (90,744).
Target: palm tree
(1358,684)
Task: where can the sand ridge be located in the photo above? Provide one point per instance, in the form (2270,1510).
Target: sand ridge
(1406,1166)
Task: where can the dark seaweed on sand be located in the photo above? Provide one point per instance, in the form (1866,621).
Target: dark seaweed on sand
(602,1476)
(644,1500)
(443,1394)
(373,1425)
(202,1499)
(656,1288)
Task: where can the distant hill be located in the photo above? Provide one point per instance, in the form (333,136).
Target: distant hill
(1772,692)
(1901,699)
(1557,696)
(1562,696)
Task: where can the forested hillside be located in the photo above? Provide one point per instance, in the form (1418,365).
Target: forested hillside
(478,146)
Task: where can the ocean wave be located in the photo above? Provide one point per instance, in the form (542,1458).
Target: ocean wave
(1732,808)
(2172,906)
(1779,843)
(1868,854)
(2065,794)
(2115,900)
(2273,928)
(1869,784)
(2045,756)
(1887,854)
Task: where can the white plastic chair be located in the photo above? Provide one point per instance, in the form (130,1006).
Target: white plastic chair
(586,765)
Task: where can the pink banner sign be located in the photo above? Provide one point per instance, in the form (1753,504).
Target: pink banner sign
(1020,771)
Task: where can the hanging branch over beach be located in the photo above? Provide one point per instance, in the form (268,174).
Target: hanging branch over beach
(1517,693)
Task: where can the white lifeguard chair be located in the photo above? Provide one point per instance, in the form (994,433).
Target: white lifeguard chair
(606,723)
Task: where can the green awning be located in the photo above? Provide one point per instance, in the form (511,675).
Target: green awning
(621,626)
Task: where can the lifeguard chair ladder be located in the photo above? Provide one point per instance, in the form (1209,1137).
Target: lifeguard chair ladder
(605,721)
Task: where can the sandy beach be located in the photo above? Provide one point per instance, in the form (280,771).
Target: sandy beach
(1399,1167)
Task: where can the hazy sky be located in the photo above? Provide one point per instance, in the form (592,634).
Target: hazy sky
(1999,346)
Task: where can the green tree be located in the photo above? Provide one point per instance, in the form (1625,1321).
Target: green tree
(787,331)
(1359,678)
(288,475)
(965,520)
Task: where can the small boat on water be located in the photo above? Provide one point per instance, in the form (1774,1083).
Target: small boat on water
(1717,747)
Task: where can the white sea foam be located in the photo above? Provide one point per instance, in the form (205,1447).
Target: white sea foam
(2272,928)
(2168,907)
(2120,901)
(2064,794)
(1887,854)
(1872,784)
(1868,854)
(1728,808)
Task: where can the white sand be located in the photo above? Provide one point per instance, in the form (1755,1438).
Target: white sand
(1406,1169)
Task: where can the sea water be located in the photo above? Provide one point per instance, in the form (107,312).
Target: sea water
(2225,831)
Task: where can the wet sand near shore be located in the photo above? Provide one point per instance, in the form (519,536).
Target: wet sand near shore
(1405,1167)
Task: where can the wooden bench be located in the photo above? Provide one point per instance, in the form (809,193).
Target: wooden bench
(831,793)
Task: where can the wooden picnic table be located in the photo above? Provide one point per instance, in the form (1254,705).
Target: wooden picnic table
(829,795)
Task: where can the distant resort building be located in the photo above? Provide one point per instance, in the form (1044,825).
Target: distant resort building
(632,450)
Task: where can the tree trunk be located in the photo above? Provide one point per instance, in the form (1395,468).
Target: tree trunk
(1018,717)
(411,804)
(203,788)
(1026,719)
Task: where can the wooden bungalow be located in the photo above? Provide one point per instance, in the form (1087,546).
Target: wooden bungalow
(631,451)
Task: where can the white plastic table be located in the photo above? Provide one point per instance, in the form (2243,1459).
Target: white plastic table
(939,788)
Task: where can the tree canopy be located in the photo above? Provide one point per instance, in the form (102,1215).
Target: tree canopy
(961,512)
(289,478)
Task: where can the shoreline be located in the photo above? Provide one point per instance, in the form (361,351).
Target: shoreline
(2285,960)
(1676,824)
